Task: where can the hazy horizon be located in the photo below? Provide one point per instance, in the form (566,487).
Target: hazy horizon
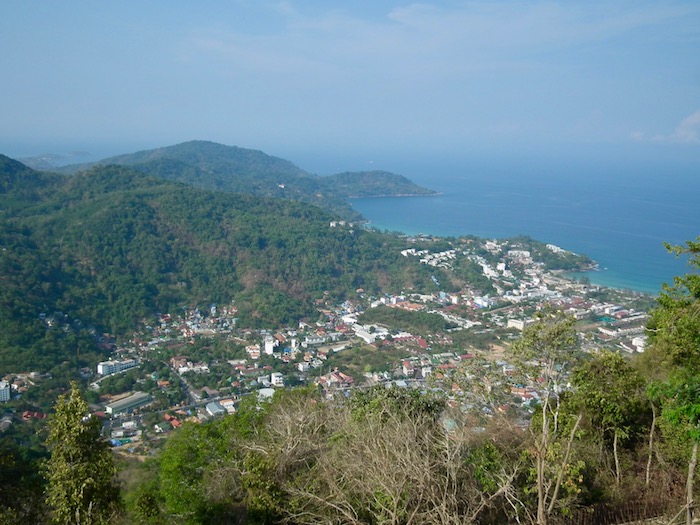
(337,86)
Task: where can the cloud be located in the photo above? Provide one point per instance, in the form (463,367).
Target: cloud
(687,132)
(475,34)
(424,70)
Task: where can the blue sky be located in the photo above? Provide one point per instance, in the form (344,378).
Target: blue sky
(308,80)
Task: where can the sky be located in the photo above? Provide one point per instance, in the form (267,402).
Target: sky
(365,81)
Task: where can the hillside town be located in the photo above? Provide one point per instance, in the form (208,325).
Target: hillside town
(199,365)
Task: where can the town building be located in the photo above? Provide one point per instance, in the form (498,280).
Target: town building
(106,368)
(215,409)
(519,324)
(4,391)
(270,344)
(276,379)
(128,404)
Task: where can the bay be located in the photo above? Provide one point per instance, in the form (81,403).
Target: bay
(618,215)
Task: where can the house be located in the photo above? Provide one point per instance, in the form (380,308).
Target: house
(178,361)
(228,405)
(27,415)
(253,351)
(336,379)
(197,368)
(215,409)
(174,422)
(519,324)
(265,394)
(524,393)
(276,379)
(205,392)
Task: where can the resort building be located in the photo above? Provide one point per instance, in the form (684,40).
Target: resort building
(106,368)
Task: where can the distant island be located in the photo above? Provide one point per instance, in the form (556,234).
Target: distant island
(217,167)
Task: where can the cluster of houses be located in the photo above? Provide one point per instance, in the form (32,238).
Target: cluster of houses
(195,322)
(532,285)
(309,346)
(17,384)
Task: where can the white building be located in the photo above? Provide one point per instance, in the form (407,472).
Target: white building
(270,344)
(555,248)
(519,254)
(229,405)
(4,391)
(370,333)
(276,379)
(519,324)
(106,368)
(640,342)
(483,302)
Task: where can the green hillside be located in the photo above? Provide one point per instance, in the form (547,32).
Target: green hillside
(214,166)
(372,184)
(108,247)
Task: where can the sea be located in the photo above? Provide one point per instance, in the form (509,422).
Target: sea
(618,214)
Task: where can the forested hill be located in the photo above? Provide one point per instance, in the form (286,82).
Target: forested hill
(372,184)
(107,247)
(25,184)
(228,168)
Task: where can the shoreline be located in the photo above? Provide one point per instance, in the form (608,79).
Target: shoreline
(590,274)
(435,194)
(576,276)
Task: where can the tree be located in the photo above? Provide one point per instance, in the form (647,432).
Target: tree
(611,393)
(675,341)
(545,352)
(20,482)
(483,383)
(80,472)
(187,462)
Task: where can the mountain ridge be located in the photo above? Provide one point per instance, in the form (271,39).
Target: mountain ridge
(110,246)
(214,166)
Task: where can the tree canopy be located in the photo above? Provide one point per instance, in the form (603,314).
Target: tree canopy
(112,246)
(80,472)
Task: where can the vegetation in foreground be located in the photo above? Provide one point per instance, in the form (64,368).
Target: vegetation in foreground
(623,432)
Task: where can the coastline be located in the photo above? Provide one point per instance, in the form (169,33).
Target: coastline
(596,278)
(629,251)
(595,275)
(435,194)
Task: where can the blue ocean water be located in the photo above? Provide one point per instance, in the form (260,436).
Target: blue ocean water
(618,215)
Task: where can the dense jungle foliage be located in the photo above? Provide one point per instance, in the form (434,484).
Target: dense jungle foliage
(99,251)
(212,166)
